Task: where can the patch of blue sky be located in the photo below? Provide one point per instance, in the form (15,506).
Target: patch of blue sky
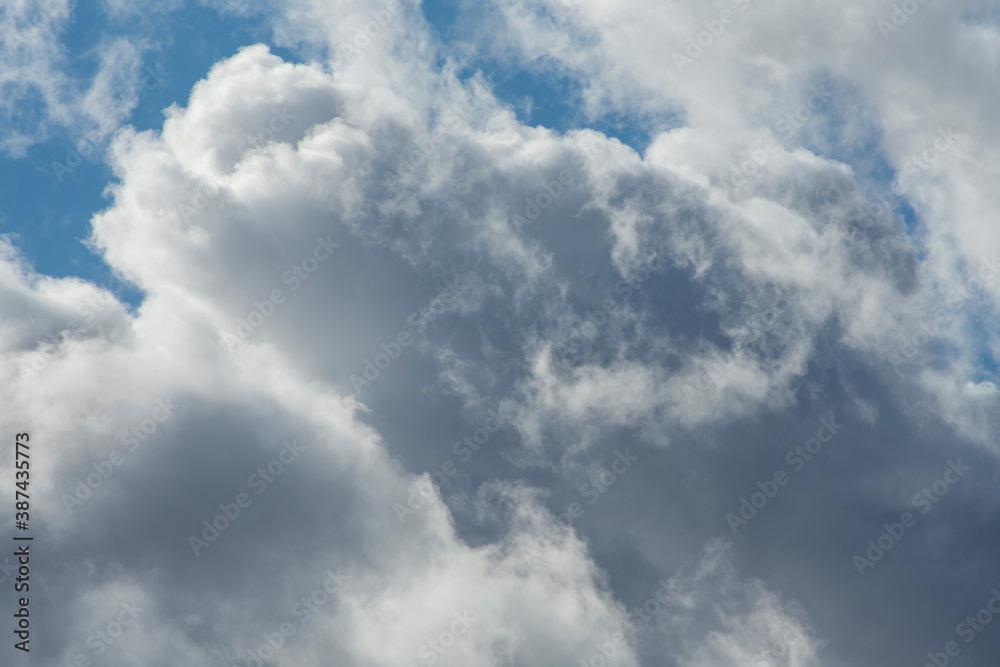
(981,325)
(978,322)
(443,17)
(46,210)
(876,176)
(547,98)
(988,368)
(543,96)
(539,94)
(841,129)
(879,188)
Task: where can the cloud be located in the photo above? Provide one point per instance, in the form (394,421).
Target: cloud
(233,409)
(704,299)
(45,96)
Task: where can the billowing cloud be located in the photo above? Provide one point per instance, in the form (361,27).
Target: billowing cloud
(415,382)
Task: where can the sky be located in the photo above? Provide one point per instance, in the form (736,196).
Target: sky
(382,333)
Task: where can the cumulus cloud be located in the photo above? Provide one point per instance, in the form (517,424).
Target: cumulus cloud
(350,264)
(179,409)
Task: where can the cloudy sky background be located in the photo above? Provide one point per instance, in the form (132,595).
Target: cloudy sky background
(676,240)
